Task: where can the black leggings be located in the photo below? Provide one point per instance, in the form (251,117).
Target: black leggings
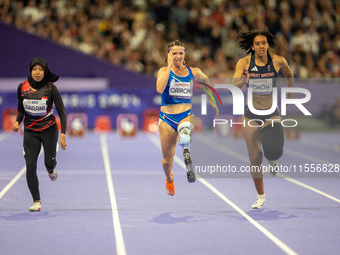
(32,145)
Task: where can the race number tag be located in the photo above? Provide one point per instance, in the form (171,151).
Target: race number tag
(35,107)
(180,89)
(261,86)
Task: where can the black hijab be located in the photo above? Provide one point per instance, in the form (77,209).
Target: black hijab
(48,75)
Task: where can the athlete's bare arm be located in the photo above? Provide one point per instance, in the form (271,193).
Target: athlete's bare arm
(241,75)
(287,72)
(163,74)
(162,79)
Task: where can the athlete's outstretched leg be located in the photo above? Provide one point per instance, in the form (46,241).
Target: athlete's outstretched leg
(168,138)
(253,141)
(272,138)
(185,130)
(50,144)
(31,149)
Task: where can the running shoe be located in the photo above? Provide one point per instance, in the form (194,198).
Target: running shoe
(35,207)
(273,167)
(53,176)
(259,202)
(188,164)
(170,187)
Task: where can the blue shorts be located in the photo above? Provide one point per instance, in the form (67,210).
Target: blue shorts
(174,119)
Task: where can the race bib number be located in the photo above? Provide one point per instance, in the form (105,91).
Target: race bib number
(261,86)
(35,107)
(180,89)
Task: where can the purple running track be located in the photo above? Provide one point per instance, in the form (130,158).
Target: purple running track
(76,215)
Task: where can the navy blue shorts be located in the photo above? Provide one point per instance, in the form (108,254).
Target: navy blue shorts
(250,115)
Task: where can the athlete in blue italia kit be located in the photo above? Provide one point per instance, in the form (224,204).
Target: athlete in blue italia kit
(259,71)
(175,82)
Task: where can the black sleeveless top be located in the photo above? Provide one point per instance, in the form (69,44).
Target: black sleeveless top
(262,79)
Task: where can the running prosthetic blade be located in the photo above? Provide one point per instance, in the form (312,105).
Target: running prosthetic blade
(190,172)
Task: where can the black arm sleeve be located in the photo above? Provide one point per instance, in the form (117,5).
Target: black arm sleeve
(58,102)
(21,109)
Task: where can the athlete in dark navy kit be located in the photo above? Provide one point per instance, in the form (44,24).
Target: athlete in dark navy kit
(259,71)
(175,83)
(35,102)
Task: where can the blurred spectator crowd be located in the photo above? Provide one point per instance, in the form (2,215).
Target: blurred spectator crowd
(134,33)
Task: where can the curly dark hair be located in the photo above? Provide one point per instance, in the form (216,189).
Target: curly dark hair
(246,40)
(172,44)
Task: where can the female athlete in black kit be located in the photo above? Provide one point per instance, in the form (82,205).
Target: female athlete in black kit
(261,68)
(35,101)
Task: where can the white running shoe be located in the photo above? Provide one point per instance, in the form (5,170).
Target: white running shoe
(273,167)
(259,202)
(53,176)
(35,207)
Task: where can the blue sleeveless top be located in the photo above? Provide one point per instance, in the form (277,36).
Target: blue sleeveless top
(178,90)
(262,79)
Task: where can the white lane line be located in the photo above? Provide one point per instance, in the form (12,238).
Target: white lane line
(239,156)
(16,178)
(3,136)
(307,187)
(273,238)
(120,245)
(305,156)
(319,144)
(13,181)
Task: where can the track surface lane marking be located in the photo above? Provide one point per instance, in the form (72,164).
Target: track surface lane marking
(239,156)
(120,245)
(273,238)
(16,178)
